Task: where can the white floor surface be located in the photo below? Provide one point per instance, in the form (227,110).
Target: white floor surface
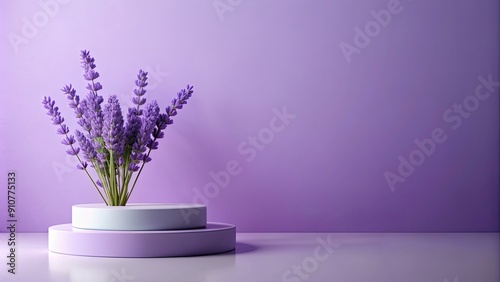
(292,257)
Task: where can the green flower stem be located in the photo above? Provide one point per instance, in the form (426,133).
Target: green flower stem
(85,169)
(91,179)
(97,188)
(124,185)
(139,173)
(126,194)
(93,182)
(119,184)
(112,178)
(104,183)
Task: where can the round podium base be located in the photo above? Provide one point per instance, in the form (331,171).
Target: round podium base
(214,238)
(138,216)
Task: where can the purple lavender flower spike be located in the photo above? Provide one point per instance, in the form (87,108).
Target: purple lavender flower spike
(86,60)
(149,121)
(143,138)
(74,100)
(141,82)
(165,119)
(133,126)
(71,95)
(113,131)
(89,74)
(161,123)
(93,115)
(89,110)
(142,77)
(57,119)
(88,150)
(182,97)
(84,121)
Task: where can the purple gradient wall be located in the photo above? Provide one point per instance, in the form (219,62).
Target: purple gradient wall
(310,103)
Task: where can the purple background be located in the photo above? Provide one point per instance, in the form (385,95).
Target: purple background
(324,170)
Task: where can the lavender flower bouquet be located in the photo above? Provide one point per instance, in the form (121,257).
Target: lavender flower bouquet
(116,149)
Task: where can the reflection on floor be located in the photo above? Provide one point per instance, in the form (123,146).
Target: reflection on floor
(289,257)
